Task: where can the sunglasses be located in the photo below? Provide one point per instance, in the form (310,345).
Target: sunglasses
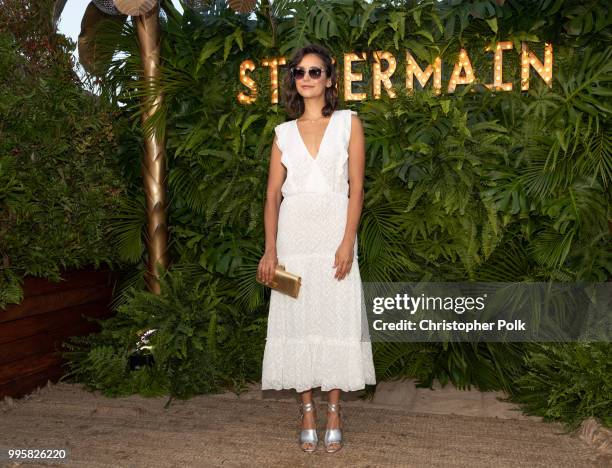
(298,73)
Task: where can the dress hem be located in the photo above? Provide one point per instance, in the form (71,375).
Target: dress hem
(323,387)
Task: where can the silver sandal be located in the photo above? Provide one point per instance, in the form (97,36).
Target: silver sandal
(307,436)
(333,436)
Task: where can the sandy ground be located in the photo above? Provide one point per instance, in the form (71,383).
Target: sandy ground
(223,430)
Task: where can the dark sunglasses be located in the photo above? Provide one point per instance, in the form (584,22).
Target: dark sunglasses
(299,73)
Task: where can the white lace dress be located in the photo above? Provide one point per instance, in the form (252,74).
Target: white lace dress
(321,338)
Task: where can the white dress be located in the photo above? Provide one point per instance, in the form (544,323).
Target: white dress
(321,338)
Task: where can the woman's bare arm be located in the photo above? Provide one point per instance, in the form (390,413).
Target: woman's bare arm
(276,176)
(356,169)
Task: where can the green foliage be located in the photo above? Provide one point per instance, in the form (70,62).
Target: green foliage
(487,366)
(201,343)
(567,381)
(476,185)
(59,178)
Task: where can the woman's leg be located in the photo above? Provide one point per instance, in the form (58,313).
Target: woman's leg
(308,418)
(333,418)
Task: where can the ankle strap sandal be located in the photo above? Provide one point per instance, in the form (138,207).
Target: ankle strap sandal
(333,437)
(308,439)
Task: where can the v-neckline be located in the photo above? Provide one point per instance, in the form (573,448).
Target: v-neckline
(310,156)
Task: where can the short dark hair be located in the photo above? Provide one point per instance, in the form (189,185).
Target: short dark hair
(292,100)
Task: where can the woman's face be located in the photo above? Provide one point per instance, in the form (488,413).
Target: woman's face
(308,86)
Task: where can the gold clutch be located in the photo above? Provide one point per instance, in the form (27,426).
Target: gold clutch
(284,282)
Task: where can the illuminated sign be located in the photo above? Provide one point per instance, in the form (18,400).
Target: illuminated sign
(462,72)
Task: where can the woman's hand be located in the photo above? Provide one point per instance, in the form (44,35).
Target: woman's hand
(344,260)
(267,265)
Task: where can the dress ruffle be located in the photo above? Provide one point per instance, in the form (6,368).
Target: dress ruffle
(314,362)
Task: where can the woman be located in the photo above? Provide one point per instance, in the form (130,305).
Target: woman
(319,339)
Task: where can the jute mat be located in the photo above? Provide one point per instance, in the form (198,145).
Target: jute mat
(205,431)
